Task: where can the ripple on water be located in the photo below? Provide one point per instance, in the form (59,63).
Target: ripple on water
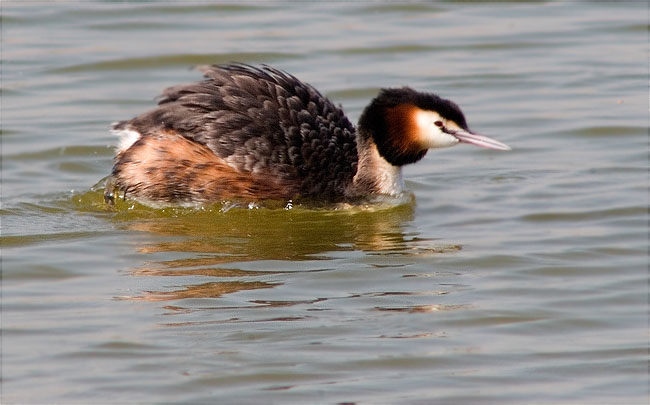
(185,60)
(84,151)
(607,131)
(406,8)
(588,216)
(34,272)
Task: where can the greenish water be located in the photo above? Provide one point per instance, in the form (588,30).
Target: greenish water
(518,277)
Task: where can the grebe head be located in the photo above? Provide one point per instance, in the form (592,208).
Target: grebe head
(404,124)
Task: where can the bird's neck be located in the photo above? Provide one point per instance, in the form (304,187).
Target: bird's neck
(374,174)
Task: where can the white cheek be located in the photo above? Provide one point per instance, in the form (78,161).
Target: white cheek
(435,138)
(430,135)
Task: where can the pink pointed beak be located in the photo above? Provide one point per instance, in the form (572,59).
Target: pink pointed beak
(479,140)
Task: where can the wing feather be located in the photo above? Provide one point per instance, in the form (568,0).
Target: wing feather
(260,120)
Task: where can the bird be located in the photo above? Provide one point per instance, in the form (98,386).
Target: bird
(258,133)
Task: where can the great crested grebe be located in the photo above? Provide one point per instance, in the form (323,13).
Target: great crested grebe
(260,133)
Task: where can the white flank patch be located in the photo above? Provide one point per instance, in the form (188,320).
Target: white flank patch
(127,137)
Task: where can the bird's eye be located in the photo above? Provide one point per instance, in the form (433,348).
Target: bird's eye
(438,124)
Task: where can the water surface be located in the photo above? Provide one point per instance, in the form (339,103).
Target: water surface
(518,277)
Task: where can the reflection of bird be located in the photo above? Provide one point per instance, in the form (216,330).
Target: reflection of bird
(260,133)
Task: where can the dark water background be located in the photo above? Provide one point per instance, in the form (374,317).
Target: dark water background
(518,277)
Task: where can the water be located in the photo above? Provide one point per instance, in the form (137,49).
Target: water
(513,277)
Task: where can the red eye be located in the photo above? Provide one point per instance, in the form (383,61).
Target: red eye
(438,124)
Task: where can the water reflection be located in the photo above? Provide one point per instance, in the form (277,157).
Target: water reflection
(223,249)
(204,290)
(264,234)
(239,249)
